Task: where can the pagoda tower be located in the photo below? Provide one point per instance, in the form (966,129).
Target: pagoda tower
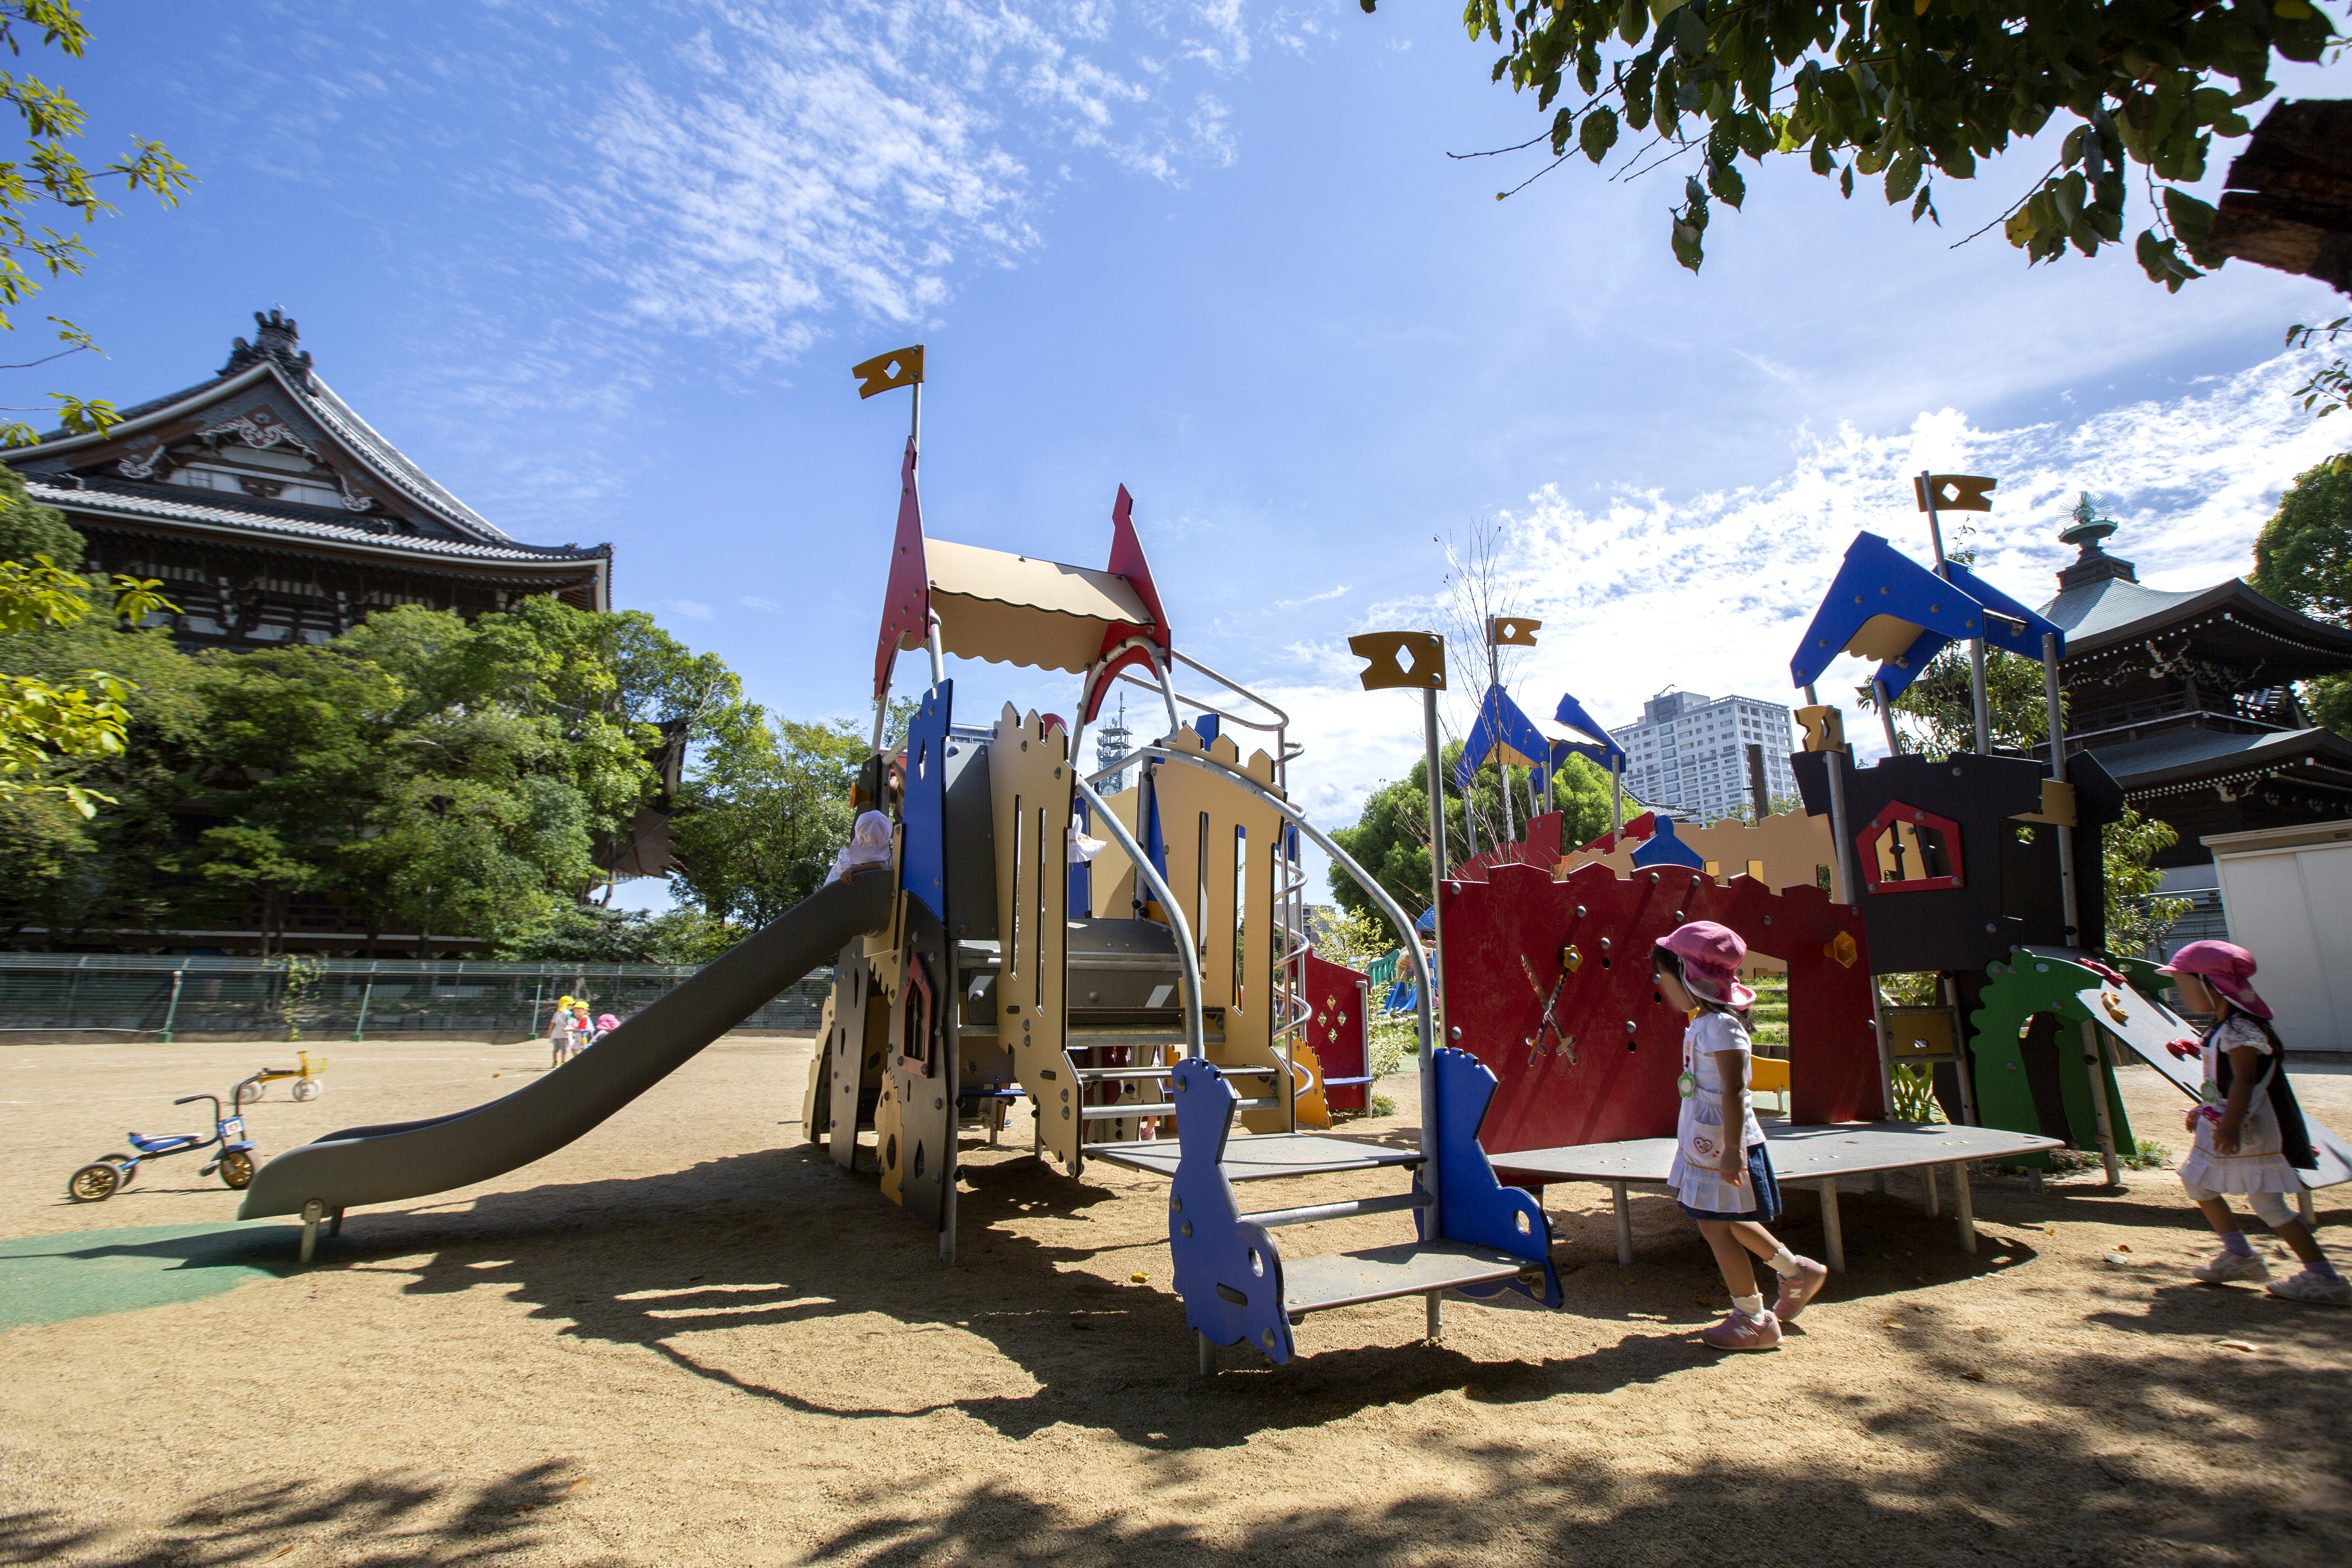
(2188,701)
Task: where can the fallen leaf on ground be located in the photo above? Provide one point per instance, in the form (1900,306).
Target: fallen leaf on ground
(2233,1344)
(1139,1278)
(1973,1376)
(1892,1322)
(280,1552)
(2123,1246)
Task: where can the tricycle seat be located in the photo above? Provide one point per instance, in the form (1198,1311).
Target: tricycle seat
(161,1142)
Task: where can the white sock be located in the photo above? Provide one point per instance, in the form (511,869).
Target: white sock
(1750,1307)
(1783,1262)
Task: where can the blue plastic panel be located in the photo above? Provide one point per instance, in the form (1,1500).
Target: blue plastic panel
(1876,579)
(1082,875)
(923,854)
(1572,713)
(1502,729)
(1474,1206)
(1228,1273)
(1663,848)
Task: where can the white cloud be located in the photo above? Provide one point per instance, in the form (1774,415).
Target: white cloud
(753,602)
(1711,592)
(692,609)
(862,157)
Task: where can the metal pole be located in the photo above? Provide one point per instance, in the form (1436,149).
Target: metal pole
(2058,770)
(172,1008)
(367,994)
(1886,717)
(1616,794)
(938,656)
(1433,1011)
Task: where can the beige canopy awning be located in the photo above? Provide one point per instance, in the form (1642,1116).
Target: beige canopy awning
(1019,609)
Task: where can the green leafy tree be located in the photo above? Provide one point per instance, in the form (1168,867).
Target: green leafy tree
(47,184)
(44,720)
(1936,712)
(1390,836)
(1907,93)
(2303,559)
(2136,918)
(587,933)
(766,808)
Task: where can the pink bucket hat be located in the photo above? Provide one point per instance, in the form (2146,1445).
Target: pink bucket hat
(2226,967)
(1710,955)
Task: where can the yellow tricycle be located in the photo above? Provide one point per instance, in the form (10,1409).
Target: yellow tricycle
(305,1085)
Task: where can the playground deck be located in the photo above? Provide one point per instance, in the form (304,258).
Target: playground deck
(1816,1156)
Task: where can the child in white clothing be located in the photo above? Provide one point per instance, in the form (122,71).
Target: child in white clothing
(2251,1136)
(1722,1178)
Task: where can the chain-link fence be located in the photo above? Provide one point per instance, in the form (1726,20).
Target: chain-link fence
(330,999)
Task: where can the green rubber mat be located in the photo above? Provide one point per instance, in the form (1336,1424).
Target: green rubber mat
(89,1273)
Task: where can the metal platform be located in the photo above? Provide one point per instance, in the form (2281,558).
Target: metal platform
(1261,1156)
(1814,1155)
(1380,1273)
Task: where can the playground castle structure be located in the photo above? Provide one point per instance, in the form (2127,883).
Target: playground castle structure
(1164,983)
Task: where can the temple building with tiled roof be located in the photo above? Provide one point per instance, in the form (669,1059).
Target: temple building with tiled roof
(2188,699)
(273,513)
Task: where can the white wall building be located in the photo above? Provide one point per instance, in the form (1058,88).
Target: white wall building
(1688,755)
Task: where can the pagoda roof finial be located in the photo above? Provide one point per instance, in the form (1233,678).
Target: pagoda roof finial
(2092,563)
(276,337)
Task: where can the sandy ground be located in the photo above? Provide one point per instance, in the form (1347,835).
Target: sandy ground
(688,1339)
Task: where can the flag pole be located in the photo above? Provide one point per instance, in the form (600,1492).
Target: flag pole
(1979,701)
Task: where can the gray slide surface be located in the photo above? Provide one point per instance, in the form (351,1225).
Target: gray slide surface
(411,1159)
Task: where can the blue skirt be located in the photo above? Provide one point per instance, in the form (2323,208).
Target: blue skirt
(1760,1182)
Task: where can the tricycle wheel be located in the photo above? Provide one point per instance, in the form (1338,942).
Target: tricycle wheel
(306,1088)
(94,1182)
(237,1169)
(124,1165)
(248,1091)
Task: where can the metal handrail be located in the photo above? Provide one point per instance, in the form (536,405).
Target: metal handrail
(1339,858)
(1196,1046)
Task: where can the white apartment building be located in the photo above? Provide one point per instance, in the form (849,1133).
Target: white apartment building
(1688,755)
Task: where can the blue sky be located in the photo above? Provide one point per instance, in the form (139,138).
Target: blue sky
(602,270)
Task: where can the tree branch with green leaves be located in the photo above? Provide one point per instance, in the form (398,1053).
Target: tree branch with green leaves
(47,184)
(1906,93)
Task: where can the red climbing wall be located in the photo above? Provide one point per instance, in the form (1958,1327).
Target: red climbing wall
(1336,1030)
(1620,1082)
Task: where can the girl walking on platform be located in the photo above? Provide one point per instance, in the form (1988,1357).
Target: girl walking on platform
(1721,1175)
(2251,1136)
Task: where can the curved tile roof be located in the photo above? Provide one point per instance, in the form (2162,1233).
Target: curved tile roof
(141,504)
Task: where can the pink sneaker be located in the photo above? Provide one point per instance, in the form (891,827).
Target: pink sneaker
(1738,1332)
(1799,1288)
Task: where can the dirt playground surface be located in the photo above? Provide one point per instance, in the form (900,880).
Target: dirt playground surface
(689,1338)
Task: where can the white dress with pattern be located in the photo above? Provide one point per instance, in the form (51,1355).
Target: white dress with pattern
(1709,1034)
(2260,1164)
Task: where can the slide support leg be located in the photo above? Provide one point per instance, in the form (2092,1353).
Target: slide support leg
(1437,1317)
(1964,1208)
(2308,1209)
(1931,1203)
(312,1212)
(1208,1354)
(1833,1234)
(1624,1223)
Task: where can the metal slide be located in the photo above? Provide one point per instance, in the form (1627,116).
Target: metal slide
(410,1158)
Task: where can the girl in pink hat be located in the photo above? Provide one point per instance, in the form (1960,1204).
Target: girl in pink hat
(1721,1175)
(2251,1136)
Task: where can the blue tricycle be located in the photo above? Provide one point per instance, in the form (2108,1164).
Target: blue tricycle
(109,1173)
